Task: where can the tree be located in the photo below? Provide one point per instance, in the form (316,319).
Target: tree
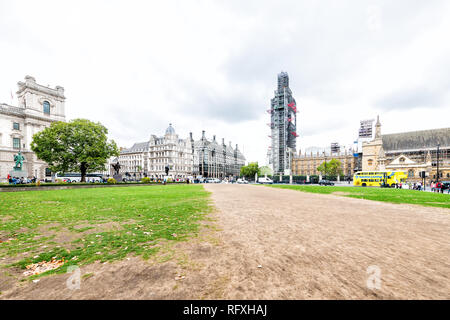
(265,170)
(76,146)
(331,168)
(250,170)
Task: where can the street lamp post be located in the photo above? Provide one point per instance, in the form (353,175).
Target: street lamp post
(437,164)
(325,164)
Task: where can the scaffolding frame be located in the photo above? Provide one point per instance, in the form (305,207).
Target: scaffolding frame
(283,116)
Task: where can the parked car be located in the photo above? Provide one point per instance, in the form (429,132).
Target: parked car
(242,181)
(264,180)
(212,180)
(326,183)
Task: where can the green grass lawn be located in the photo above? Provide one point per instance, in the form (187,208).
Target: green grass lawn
(104,224)
(378,194)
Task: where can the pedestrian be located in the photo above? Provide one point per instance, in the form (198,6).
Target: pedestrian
(438,187)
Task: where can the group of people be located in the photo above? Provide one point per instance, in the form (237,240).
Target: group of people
(20,180)
(437,187)
(416,186)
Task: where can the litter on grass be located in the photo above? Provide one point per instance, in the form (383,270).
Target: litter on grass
(43,266)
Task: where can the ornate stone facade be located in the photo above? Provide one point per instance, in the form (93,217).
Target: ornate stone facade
(150,158)
(216,160)
(411,152)
(306,164)
(38,106)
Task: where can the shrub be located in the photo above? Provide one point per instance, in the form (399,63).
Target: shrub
(112,181)
(146,180)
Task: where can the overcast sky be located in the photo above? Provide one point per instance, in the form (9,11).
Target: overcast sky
(137,66)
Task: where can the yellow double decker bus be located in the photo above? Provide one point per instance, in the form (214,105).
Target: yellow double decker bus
(378,178)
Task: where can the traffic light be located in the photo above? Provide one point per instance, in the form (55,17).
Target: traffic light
(167,170)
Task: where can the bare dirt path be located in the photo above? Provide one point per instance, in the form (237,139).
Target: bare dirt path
(271,243)
(320,246)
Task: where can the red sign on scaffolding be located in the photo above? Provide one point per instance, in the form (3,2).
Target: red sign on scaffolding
(294,133)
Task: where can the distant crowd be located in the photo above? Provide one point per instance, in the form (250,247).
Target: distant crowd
(20,180)
(437,187)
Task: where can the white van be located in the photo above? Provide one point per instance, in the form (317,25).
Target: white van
(265,180)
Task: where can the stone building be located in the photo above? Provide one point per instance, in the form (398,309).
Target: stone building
(411,152)
(216,160)
(149,159)
(306,164)
(38,107)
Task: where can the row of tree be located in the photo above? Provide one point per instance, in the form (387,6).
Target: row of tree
(328,168)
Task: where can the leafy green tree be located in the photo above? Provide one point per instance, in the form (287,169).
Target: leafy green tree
(250,170)
(76,146)
(330,168)
(265,170)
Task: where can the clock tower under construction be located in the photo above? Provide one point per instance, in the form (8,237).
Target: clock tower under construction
(283,125)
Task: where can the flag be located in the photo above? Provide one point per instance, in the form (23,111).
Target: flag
(12,96)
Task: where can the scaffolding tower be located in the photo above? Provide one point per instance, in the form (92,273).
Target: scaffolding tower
(283,124)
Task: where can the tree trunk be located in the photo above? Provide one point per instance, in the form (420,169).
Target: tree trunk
(83,171)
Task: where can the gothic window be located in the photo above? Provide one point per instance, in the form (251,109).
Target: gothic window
(46,105)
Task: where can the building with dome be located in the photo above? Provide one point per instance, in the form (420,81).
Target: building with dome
(212,159)
(149,159)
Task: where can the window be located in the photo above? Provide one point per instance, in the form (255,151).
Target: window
(370,162)
(16,126)
(16,143)
(411,173)
(402,160)
(46,105)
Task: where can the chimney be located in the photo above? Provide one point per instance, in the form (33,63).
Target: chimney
(190,135)
(236,146)
(214,137)
(203,134)
(223,141)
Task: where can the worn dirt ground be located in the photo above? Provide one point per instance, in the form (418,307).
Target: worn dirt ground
(268,243)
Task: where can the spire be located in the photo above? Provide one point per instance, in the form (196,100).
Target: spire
(378,128)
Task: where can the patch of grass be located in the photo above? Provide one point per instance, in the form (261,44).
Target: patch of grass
(140,218)
(378,194)
(87,275)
